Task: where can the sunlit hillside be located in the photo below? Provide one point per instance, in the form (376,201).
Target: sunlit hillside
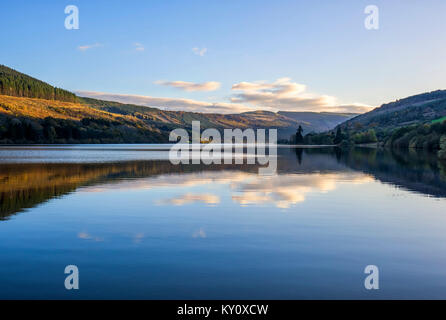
(30,120)
(41,108)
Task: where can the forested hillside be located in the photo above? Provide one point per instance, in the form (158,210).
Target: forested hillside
(419,109)
(14,83)
(168,120)
(30,120)
(417,122)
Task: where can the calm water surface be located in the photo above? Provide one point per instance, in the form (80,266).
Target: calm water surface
(140,227)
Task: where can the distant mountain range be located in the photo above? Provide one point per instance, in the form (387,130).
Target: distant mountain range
(285,122)
(319,121)
(24,117)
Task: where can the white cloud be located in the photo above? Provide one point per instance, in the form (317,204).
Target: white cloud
(138,46)
(191,86)
(280,95)
(89,46)
(174,104)
(285,95)
(189,198)
(287,190)
(246,189)
(86,236)
(200,51)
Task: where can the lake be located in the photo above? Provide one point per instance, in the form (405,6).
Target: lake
(139,227)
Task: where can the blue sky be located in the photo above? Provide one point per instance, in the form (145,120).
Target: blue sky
(288,55)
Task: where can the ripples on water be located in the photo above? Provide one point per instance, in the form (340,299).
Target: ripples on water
(139,227)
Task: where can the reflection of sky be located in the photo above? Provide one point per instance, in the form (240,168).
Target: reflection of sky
(245,188)
(223,234)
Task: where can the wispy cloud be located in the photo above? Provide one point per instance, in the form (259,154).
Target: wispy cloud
(199,234)
(287,190)
(174,104)
(245,188)
(285,95)
(191,86)
(190,198)
(200,51)
(86,236)
(280,95)
(89,46)
(139,46)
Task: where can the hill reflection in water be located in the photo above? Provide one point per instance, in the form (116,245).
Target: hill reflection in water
(300,171)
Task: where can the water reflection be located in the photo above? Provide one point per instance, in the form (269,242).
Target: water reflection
(147,229)
(300,172)
(414,170)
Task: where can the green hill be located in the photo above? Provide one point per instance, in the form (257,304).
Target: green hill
(419,109)
(14,83)
(417,122)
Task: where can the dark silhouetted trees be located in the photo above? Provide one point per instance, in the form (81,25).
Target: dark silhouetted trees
(339,136)
(299,137)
